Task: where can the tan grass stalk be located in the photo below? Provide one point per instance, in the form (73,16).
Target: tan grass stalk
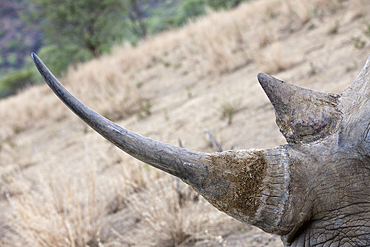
(60,211)
(175,215)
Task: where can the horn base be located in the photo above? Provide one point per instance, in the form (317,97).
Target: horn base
(251,186)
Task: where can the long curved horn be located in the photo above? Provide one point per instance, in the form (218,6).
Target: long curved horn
(171,159)
(251,186)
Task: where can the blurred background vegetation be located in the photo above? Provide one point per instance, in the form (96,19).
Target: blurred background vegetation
(63,32)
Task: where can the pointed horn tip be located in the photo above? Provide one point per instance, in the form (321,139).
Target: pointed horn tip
(33,55)
(262,76)
(41,67)
(36,60)
(266,80)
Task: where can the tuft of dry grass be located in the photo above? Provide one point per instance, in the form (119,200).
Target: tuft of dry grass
(274,60)
(127,178)
(117,94)
(68,207)
(60,211)
(17,117)
(174,212)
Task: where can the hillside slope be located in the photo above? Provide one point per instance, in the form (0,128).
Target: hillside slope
(63,185)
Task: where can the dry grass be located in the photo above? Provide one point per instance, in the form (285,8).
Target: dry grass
(59,211)
(175,214)
(62,185)
(68,207)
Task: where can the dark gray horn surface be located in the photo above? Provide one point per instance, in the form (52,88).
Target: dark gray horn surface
(166,157)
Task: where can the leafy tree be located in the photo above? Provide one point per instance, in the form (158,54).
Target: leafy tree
(76,30)
(89,24)
(159,15)
(135,15)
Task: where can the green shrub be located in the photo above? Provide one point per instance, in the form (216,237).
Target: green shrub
(12,59)
(223,4)
(190,9)
(358,43)
(15,45)
(15,81)
(158,24)
(58,58)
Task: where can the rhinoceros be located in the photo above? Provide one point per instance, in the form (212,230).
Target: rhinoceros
(312,191)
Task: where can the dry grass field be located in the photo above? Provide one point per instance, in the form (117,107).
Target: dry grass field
(61,184)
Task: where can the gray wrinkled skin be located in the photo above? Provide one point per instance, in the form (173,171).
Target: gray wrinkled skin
(313,191)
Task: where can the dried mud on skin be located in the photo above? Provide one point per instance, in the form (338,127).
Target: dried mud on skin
(244,172)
